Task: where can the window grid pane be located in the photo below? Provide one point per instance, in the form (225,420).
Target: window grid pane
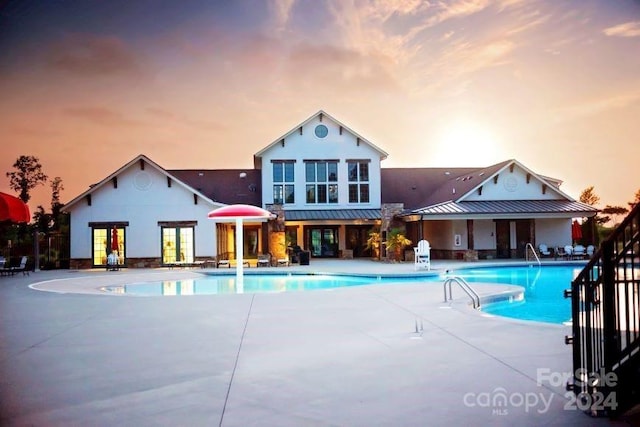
(364,171)
(333,193)
(353,193)
(311,193)
(289,194)
(364,193)
(277,194)
(310,171)
(288,172)
(322,193)
(277,172)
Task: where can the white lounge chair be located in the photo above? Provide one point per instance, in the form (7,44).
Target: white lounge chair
(422,255)
(21,268)
(579,251)
(590,250)
(264,260)
(544,250)
(568,251)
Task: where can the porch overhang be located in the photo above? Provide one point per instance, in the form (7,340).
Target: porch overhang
(333,215)
(501,209)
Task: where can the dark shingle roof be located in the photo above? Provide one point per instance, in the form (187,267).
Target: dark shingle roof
(229,186)
(419,187)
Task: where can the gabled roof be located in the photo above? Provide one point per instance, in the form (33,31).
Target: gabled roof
(383,154)
(229,186)
(137,159)
(420,187)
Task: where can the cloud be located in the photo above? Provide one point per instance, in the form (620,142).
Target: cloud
(628,29)
(169,118)
(348,70)
(90,56)
(597,106)
(455,9)
(101,116)
(281,12)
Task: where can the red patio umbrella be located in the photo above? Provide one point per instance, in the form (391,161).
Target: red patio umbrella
(576,230)
(114,240)
(13,209)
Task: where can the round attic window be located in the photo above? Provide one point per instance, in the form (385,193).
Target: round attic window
(321,131)
(142,181)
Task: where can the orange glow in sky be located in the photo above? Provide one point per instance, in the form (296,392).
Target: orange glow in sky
(86,86)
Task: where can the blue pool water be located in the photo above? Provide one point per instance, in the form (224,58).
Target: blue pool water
(543,291)
(543,287)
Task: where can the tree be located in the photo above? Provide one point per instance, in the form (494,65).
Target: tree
(615,210)
(396,242)
(27,176)
(373,243)
(589,197)
(56,206)
(636,200)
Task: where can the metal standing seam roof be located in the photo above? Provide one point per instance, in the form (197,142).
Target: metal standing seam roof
(506,207)
(338,214)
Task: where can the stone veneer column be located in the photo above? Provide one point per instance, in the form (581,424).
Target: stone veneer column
(388,211)
(276,230)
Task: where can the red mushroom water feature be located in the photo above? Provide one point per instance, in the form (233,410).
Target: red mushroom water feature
(239,213)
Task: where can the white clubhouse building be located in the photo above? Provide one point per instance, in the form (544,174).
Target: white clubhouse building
(325,184)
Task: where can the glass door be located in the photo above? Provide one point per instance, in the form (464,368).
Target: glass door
(322,242)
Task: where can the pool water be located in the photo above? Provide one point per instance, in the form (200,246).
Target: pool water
(543,291)
(543,287)
(226,284)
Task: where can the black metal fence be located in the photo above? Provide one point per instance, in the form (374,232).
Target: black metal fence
(605,299)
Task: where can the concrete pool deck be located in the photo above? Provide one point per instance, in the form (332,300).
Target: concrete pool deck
(340,357)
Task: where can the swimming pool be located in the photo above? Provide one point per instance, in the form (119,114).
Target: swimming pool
(543,290)
(543,287)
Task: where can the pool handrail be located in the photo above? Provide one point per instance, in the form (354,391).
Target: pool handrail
(464,285)
(533,251)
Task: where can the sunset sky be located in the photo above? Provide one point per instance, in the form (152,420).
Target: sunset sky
(86,85)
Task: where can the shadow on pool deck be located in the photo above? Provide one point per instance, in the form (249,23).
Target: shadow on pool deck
(390,355)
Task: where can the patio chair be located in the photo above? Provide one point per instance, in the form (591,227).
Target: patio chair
(579,252)
(422,257)
(4,268)
(283,262)
(568,252)
(21,268)
(544,250)
(264,260)
(590,250)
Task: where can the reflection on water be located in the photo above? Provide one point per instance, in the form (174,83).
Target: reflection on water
(211,285)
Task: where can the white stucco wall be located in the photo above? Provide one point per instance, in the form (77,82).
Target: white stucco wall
(333,147)
(142,198)
(554,232)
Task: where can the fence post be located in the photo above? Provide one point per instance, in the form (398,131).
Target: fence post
(609,329)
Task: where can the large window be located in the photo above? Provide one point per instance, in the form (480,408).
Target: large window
(322,181)
(107,239)
(177,244)
(358,181)
(283,188)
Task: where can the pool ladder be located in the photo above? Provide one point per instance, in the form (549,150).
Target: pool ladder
(533,251)
(475,298)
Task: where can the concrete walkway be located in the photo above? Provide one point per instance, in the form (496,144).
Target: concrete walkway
(342,357)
